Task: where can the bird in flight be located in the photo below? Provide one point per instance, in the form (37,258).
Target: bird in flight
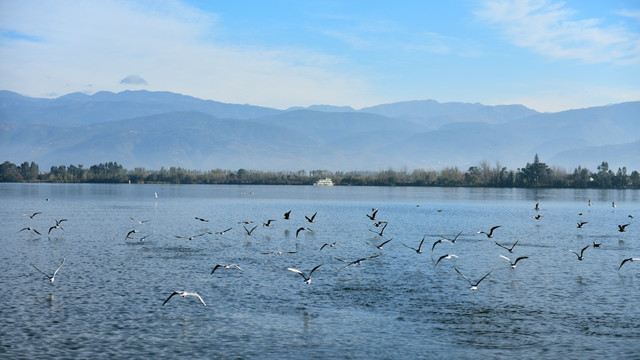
(355,262)
(330,245)
(32,215)
(201,219)
(419,249)
(30,229)
(287,215)
(279,253)
(223,231)
(129,234)
(184,294)
(473,286)
(226,267)
(379,246)
(139,221)
(381,233)
(509,249)
(372,217)
(249,232)
(268,223)
(302,229)
(446,256)
(57,225)
(581,255)
(582,223)
(513,263)
(626,260)
(538,217)
(623,228)
(453,241)
(312,218)
(307,279)
(490,233)
(52,277)
(189,237)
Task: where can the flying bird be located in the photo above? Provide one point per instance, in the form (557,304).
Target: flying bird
(287,215)
(330,245)
(279,253)
(312,218)
(32,215)
(226,267)
(223,231)
(372,217)
(473,286)
(139,221)
(307,279)
(582,223)
(379,246)
(57,225)
(201,219)
(453,241)
(513,263)
(189,237)
(379,223)
(184,294)
(625,260)
(590,203)
(509,249)
(268,223)
(129,234)
(580,256)
(302,229)
(30,229)
(439,241)
(249,232)
(613,204)
(355,262)
(52,277)
(622,228)
(419,249)
(596,245)
(490,234)
(446,256)
(538,217)
(381,233)
(537,208)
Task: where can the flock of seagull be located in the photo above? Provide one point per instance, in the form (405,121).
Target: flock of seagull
(249,229)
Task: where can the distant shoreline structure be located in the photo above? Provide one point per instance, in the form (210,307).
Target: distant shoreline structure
(323,182)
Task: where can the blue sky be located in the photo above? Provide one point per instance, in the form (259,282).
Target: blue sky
(547,55)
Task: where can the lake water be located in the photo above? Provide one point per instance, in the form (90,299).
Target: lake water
(106,301)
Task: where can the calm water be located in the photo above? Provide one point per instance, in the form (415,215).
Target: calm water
(107,299)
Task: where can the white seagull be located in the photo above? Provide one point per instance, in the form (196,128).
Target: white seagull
(446,256)
(490,233)
(509,249)
(625,260)
(355,262)
(473,286)
(30,229)
(52,277)
(184,294)
(307,279)
(513,263)
(226,267)
(419,249)
(580,256)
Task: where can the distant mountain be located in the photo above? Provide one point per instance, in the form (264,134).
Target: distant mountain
(161,129)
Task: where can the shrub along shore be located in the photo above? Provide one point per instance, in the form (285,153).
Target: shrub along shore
(533,175)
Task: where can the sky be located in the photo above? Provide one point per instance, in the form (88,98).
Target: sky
(547,55)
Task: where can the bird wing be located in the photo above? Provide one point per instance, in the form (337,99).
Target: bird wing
(314,269)
(385,242)
(421,242)
(36,231)
(62,263)
(170,296)
(440,258)
(583,249)
(435,243)
(482,278)
(514,245)
(215,268)
(238,267)
(520,258)
(199,298)
(502,246)
(506,258)
(297,272)
(463,275)
(44,273)
(623,262)
(322,247)
(410,247)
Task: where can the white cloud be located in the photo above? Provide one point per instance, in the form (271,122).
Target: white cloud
(177,46)
(549,28)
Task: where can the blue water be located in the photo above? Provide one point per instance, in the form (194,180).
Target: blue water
(106,300)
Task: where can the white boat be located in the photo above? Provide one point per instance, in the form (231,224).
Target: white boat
(323,182)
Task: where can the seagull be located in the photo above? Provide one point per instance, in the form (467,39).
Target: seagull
(279,253)
(596,245)
(381,233)
(146,236)
(613,204)
(223,231)
(33,215)
(625,260)
(513,263)
(249,232)
(419,249)
(138,221)
(537,206)
(379,246)
(307,279)
(268,223)
(312,219)
(582,223)
(30,229)
(509,249)
(473,286)
(446,256)
(302,229)
(372,217)
(590,203)
(356,262)
(580,256)
(228,266)
(287,215)
(189,237)
(490,234)
(538,217)
(379,223)
(184,294)
(453,241)
(129,233)
(331,245)
(439,241)
(52,277)
(630,216)
(201,219)
(246,222)
(57,225)
(622,228)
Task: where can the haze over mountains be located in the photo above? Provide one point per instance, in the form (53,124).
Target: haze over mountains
(163,129)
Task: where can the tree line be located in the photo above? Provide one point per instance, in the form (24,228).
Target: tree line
(536,174)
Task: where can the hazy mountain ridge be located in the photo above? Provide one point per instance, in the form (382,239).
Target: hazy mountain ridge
(156,129)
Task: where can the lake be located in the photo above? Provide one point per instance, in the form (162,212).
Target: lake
(107,298)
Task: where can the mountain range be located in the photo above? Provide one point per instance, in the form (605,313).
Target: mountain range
(163,129)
